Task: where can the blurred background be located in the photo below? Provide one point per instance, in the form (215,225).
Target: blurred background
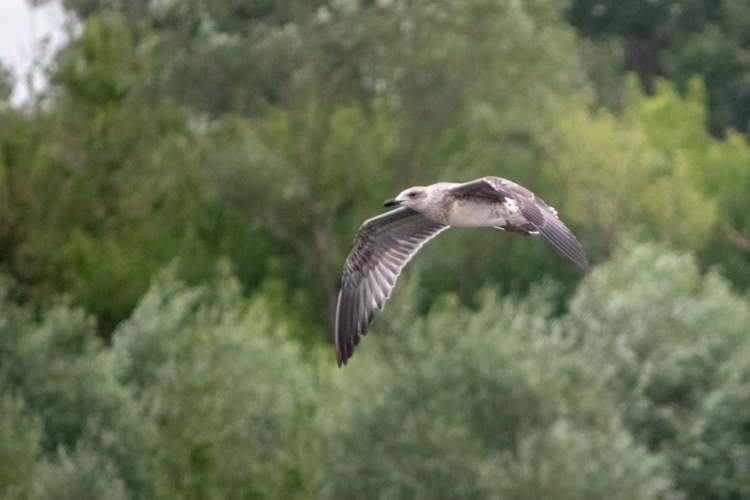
(180,183)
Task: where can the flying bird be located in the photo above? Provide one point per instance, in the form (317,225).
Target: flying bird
(384,244)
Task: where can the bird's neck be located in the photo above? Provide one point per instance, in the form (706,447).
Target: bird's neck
(439,207)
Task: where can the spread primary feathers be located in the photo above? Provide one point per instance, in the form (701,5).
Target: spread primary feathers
(387,242)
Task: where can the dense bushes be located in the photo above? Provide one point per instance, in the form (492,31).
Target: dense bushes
(637,392)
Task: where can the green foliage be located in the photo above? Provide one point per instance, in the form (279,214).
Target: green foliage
(260,135)
(199,397)
(7,82)
(678,210)
(56,364)
(639,391)
(603,166)
(668,330)
(368,107)
(64,392)
(463,404)
(677,40)
(293,211)
(231,402)
(360,101)
(622,18)
(99,188)
(638,170)
(98,67)
(667,342)
(84,474)
(718,51)
(19,445)
(715,455)
(713,175)
(341,107)
(548,465)
(655,169)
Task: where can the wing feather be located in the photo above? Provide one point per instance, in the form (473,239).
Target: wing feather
(383,246)
(533,209)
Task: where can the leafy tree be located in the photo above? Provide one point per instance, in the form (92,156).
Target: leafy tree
(20,434)
(664,339)
(677,40)
(341,99)
(232,400)
(637,392)
(642,374)
(85,473)
(63,399)
(644,26)
(616,180)
(98,185)
(713,170)
(718,51)
(654,168)
(714,458)
(264,133)
(476,404)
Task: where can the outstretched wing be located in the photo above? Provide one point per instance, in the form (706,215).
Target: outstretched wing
(381,249)
(533,209)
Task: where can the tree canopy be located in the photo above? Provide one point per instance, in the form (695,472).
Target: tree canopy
(177,203)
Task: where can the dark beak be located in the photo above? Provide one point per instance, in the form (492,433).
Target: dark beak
(392,202)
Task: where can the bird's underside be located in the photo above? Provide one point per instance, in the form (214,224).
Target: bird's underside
(522,230)
(386,243)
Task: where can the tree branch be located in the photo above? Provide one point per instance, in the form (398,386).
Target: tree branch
(736,237)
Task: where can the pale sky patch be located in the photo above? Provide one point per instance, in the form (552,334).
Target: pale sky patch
(22,31)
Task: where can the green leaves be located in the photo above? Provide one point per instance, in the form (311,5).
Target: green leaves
(261,136)
(475,404)
(676,40)
(99,67)
(20,433)
(228,394)
(637,392)
(667,339)
(656,169)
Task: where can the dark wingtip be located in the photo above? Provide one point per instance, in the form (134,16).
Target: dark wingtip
(581,261)
(342,353)
(338,357)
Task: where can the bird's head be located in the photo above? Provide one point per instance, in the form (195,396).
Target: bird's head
(415,198)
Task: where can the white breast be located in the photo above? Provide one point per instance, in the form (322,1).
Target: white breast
(480,213)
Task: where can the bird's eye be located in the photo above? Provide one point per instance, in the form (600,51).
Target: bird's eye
(412,195)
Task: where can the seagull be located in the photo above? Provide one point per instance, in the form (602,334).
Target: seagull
(386,243)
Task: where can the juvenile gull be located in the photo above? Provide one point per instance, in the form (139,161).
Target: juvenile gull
(387,242)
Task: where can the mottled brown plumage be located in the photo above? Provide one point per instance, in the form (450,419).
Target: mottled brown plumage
(387,242)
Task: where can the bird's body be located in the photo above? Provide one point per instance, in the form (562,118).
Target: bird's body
(470,213)
(384,244)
